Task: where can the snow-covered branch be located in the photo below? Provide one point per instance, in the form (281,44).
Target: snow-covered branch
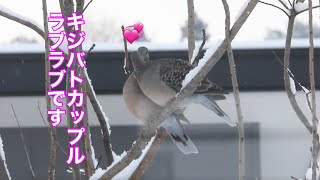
(286,63)
(4,172)
(152,151)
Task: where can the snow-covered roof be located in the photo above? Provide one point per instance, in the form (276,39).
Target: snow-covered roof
(118,47)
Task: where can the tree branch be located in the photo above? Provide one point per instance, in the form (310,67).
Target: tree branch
(147,160)
(286,63)
(53,131)
(191,40)
(315,137)
(42,117)
(126,64)
(235,88)
(24,143)
(200,54)
(314,7)
(269,4)
(158,118)
(283,4)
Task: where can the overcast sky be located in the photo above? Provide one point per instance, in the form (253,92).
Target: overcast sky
(162,19)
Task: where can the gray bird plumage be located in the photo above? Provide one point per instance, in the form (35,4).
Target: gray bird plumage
(161,79)
(143,108)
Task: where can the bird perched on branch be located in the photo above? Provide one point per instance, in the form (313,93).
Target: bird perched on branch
(160,80)
(143,108)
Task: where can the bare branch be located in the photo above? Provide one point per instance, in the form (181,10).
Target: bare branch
(24,143)
(290,3)
(269,4)
(315,137)
(126,64)
(53,131)
(46,124)
(191,40)
(286,63)
(85,143)
(294,178)
(100,115)
(154,148)
(235,87)
(102,120)
(314,7)
(189,89)
(198,57)
(283,4)
(86,6)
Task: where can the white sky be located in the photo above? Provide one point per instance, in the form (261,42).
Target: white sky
(162,19)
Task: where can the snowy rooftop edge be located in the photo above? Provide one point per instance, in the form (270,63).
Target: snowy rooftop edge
(118,47)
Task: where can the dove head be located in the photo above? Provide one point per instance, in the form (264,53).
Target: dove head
(144,52)
(139,58)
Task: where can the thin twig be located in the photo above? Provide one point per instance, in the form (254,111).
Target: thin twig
(294,178)
(191,40)
(102,120)
(42,117)
(24,143)
(269,4)
(99,161)
(86,6)
(126,65)
(200,54)
(235,87)
(283,4)
(290,3)
(86,57)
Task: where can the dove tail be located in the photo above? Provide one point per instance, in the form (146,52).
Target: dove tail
(210,103)
(178,136)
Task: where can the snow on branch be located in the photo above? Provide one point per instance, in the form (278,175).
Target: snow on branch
(207,55)
(127,171)
(292,86)
(300,6)
(4,172)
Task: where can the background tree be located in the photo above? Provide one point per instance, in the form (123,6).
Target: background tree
(199,24)
(300,30)
(23,39)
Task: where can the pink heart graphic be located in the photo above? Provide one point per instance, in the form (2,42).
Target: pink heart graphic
(138,27)
(130,35)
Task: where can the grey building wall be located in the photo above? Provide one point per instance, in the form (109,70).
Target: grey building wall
(217,158)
